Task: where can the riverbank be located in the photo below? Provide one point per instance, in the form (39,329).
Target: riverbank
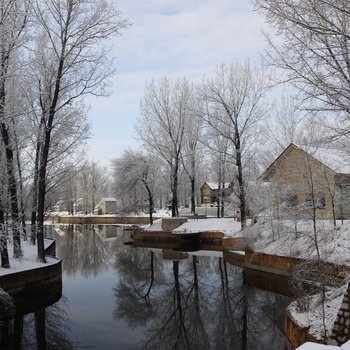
(278,248)
(32,285)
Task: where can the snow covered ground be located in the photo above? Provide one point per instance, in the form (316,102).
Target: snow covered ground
(314,346)
(297,239)
(228,226)
(288,238)
(28,261)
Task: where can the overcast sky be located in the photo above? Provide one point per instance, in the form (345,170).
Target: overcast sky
(173,38)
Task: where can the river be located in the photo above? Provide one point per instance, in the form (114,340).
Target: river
(116,296)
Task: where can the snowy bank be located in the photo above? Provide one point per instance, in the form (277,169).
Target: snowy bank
(28,261)
(314,346)
(228,226)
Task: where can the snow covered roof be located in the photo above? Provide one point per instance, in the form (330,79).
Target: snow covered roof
(335,159)
(215,185)
(108,199)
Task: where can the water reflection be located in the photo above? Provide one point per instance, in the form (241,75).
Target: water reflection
(83,249)
(122,297)
(197,303)
(47,328)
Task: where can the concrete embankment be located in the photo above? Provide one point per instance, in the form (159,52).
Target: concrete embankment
(35,288)
(100,220)
(269,271)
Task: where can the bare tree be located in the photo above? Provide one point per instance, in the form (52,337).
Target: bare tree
(314,51)
(134,167)
(192,154)
(13,21)
(163,126)
(93,183)
(234,109)
(70,64)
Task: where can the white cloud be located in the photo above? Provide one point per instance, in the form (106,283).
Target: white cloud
(183,38)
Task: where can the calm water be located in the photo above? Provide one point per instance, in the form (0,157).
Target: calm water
(119,297)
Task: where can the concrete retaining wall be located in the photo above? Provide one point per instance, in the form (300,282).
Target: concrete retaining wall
(102,220)
(296,334)
(281,265)
(17,282)
(234,258)
(170,224)
(155,236)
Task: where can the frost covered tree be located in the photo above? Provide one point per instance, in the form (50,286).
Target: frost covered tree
(192,155)
(71,62)
(13,22)
(234,109)
(93,183)
(165,110)
(134,168)
(313,52)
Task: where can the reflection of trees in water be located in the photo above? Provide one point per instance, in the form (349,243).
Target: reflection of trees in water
(45,329)
(199,303)
(264,312)
(140,269)
(82,250)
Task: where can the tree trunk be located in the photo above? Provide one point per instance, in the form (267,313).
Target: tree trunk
(242,198)
(12,188)
(35,187)
(193,195)
(151,204)
(174,203)
(5,261)
(22,217)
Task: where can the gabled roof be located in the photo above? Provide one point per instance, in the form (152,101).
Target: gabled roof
(265,175)
(215,185)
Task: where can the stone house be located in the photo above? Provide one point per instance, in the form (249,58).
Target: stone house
(210,193)
(106,206)
(301,181)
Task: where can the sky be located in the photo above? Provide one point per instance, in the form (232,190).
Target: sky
(182,38)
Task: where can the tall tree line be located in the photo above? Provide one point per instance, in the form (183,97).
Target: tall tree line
(222,115)
(52,55)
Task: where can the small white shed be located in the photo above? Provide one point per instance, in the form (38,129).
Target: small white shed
(106,205)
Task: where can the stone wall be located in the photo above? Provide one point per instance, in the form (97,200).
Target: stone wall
(341,328)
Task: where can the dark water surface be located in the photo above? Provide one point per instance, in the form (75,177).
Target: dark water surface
(119,297)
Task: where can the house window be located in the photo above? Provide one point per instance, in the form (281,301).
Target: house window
(290,200)
(318,200)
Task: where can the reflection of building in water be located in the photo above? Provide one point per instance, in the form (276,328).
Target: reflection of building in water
(110,232)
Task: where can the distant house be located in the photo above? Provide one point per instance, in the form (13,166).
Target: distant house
(301,182)
(78,205)
(60,206)
(210,192)
(106,206)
